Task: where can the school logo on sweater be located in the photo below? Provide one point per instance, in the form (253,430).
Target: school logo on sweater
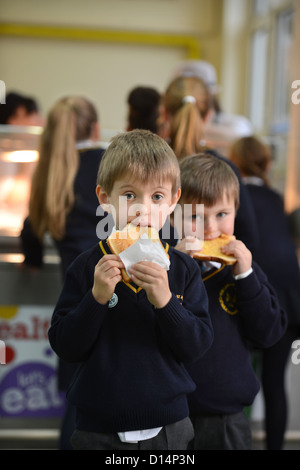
(227,299)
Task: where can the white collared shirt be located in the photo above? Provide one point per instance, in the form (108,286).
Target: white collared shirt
(132,437)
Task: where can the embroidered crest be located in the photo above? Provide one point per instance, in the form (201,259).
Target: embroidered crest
(227,299)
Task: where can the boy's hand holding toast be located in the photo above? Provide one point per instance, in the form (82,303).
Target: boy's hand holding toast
(224,249)
(154,280)
(240,252)
(148,275)
(107,275)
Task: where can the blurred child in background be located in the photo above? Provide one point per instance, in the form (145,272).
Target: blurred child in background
(276,254)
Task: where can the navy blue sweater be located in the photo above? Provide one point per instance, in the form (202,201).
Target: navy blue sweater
(276,252)
(132,374)
(244,313)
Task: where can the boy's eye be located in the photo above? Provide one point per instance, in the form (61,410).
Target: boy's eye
(129,196)
(221,214)
(157,197)
(197,217)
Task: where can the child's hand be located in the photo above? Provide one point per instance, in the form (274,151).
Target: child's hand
(237,249)
(189,245)
(154,280)
(106,277)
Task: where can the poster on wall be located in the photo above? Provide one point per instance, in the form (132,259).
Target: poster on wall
(28,366)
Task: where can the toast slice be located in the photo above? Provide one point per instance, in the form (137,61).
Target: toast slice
(211,250)
(122,239)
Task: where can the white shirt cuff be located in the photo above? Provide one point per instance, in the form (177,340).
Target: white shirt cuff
(243,275)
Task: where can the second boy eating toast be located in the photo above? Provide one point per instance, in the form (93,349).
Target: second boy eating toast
(244,309)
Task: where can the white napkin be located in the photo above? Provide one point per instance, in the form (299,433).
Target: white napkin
(144,249)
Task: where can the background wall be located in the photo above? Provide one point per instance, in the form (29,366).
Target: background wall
(104,70)
(104,48)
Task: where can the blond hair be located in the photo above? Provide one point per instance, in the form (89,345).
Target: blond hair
(140,155)
(187,101)
(205,179)
(52,190)
(252,157)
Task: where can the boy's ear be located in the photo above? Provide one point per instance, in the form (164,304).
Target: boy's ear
(175,199)
(103,198)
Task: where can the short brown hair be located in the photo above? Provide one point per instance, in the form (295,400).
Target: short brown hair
(252,156)
(205,178)
(140,154)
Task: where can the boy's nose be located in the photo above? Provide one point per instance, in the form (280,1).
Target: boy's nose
(209,227)
(141,209)
(142,212)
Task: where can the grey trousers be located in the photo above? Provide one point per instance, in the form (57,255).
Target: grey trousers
(221,432)
(172,437)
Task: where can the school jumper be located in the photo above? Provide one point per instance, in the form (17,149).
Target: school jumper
(245,313)
(276,251)
(132,374)
(276,254)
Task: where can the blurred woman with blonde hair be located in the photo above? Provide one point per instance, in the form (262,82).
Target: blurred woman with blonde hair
(63,200)
(187,101)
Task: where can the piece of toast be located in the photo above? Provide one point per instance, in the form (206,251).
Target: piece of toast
(122,239)
(211,250)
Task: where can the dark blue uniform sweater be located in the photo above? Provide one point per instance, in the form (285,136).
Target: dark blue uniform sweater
(276,251)
(132,374)
(245,314)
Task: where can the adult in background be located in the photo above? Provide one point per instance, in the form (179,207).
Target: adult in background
(20,110)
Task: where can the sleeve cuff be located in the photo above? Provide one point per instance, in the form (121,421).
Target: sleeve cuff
(243,275)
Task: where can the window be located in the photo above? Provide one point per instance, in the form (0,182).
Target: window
(282,77)
(258,78)
(261,7)
(270,79)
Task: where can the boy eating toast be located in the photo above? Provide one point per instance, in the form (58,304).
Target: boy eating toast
(134,338)
(243,306)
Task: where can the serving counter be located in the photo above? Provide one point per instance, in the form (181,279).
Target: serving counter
(28,366)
